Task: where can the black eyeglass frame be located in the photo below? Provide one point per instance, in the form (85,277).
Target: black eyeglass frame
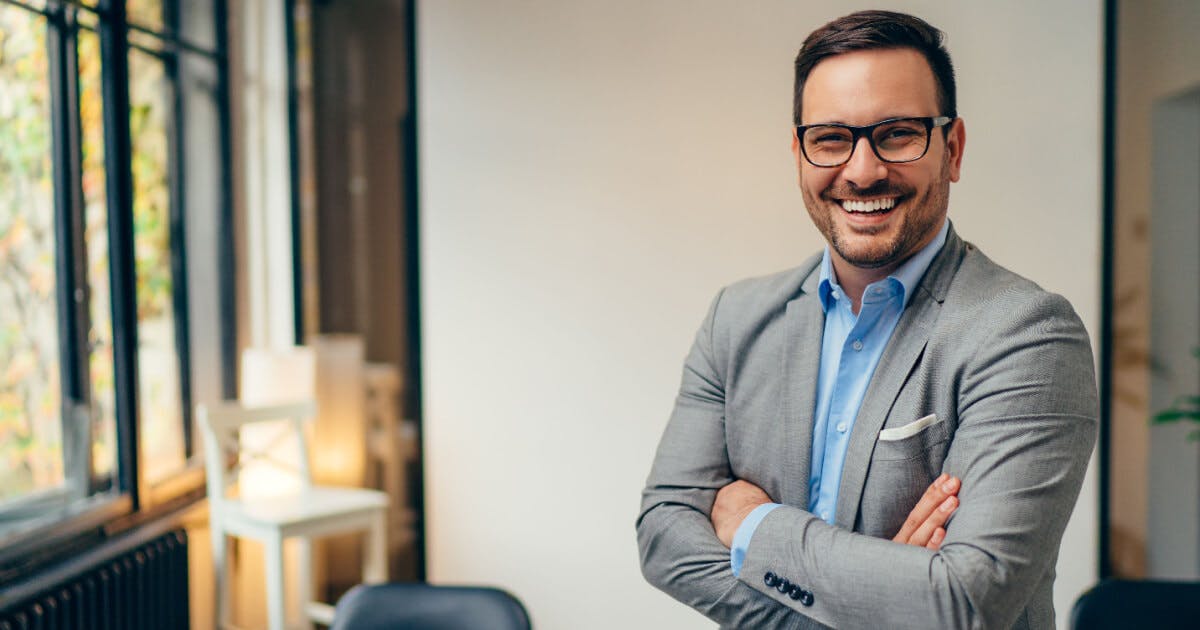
(867,131)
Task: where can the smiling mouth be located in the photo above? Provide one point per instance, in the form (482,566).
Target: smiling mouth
(870,206)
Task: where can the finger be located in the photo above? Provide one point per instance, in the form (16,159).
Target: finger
(942,487)
(933,522)
(935,541)
(937,493)
(917,515)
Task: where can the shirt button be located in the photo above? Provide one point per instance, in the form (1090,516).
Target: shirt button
(841,427)
(877,290)
(857,345)
(825,516)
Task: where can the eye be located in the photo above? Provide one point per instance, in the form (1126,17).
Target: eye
(828,136)
(900,133)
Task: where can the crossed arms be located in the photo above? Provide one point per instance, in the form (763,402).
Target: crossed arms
(924,527)
(1026,415)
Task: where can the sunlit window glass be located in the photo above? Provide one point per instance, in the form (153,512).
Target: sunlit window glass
(145,13)
(161,429)
(81,441)
(30,419)
(96,244)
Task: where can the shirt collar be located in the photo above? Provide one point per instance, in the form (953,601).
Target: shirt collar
(907,274)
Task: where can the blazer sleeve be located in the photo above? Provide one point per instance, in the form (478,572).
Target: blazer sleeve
(1027,418)
(680,552)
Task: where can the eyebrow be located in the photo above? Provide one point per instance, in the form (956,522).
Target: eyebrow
(890,117)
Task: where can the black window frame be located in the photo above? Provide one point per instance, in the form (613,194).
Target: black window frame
(125,501)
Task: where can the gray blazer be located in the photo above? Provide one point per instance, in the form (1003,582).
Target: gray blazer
(1004,369)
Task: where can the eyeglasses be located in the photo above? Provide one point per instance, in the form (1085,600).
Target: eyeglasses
(896,140)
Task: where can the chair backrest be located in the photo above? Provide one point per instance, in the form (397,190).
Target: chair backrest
(227,455)
(428,607)
(1138,604)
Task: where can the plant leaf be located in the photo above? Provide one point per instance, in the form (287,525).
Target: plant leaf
(1171,415)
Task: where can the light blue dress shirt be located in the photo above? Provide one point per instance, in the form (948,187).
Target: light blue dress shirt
(850,349)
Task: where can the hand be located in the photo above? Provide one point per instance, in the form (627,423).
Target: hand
(924,526)
(733,504)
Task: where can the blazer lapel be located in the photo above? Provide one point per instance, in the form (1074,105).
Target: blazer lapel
(898,360)
(804,325)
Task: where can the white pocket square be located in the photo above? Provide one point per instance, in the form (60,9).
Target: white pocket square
(908,430)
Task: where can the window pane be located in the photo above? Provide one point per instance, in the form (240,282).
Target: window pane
(197,23)
(30,419)
(100,335)
(161,430)
(202,202)
(38,5)
(147,13)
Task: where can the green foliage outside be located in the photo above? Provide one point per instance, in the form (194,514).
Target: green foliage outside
(1185,408)
(30,425)
(30,414)
(158,363)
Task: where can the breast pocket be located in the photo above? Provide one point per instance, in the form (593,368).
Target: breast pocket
(905,461)
(911,440)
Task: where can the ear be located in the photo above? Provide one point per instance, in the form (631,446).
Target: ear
(956,140)
(796,151)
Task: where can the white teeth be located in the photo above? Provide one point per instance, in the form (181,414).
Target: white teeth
(874,205)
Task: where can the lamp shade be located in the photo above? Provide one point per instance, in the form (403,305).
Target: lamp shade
(339,438)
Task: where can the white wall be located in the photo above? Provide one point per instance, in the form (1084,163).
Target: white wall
(593,171)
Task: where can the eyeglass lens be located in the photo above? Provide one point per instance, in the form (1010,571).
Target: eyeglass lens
(895,141)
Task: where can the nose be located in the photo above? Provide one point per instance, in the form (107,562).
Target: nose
(864,168)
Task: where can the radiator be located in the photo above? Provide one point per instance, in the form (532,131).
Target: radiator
(142,588)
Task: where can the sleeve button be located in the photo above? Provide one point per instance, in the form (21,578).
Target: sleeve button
(770,579)
(806,598)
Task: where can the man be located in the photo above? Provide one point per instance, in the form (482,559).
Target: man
(894,433)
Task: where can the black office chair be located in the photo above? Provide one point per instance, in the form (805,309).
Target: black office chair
(399,606)
(1138,604)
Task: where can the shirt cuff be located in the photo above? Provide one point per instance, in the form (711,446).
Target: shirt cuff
(741,538)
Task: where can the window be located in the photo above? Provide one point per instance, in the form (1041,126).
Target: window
(115,256)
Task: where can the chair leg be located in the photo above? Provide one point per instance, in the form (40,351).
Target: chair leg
(220,578)
(375,550)
(304,580)
(276,610)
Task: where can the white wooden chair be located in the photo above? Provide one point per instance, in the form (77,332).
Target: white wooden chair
(305,513)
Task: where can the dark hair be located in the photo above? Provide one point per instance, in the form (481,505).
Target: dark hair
(867,30)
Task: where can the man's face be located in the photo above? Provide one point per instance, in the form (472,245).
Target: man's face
(862,88)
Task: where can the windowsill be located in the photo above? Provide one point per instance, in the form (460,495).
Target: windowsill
(29,546)
(83,553)
(165,497)
(184,482)
(33,541)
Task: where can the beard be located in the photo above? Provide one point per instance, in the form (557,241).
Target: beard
(867,247)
